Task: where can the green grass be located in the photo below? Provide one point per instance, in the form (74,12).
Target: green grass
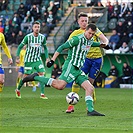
(32,114)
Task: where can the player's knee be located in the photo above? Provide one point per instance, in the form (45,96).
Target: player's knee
(30,77)
(2,81)
(61,86)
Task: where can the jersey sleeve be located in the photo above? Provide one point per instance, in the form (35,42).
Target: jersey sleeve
(45,48)
(5,48)
(95,44)
(68,44)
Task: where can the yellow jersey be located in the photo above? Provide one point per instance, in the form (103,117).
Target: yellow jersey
(4,47)
(94,52)
(22,55)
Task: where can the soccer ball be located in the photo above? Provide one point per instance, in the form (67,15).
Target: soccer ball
(72,98)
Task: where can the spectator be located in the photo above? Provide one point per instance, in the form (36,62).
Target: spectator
(89,3)
(52,7)
(80,4)
(128,16)
(36,2)
(112,80)
(98,4)
(117,8)
(44,29)
(12,39)
(124,48)
(3,19)
(131,49)
(124,38)
(114,39)
(27,22)
(120,28)
(56,72)
(110,9)
(6,29)
(50,20)
(45,16)
(130,29)
(1,27)
(19,37)
(28,4)
(35,12)
(58,3)
(14,28)
(21,12)
(130,7)
(127,74)
(15,19)
(113,71)
(3,4)
(123,9)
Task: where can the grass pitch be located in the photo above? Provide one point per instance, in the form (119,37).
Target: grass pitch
(30,114)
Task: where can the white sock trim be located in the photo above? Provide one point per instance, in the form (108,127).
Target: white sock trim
(50,81)
(88,98)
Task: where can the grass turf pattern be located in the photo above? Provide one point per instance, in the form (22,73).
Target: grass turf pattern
(32,114)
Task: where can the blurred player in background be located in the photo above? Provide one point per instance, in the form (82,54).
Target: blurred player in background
(20,68)
(94,60)
(34,42)
(7,52)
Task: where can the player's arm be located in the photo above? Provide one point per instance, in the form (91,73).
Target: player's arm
(103,39)
(98,44)
(21,45)
(45,50)
(6,50)
(68,44)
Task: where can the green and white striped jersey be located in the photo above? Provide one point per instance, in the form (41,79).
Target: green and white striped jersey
(78,48)
(34,47)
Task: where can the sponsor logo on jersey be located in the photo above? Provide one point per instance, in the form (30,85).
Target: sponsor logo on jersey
(85,47)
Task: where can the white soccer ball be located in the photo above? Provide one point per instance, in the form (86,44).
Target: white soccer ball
(72,98)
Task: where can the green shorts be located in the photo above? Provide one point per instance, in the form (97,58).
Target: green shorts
(30,67)
(72,73)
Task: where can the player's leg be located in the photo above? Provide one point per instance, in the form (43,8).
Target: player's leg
(28,69)
(1,79)
(96,65)
(34,86)
(76,87)
(88,87)
(85,69)
(20,74)
(40,69)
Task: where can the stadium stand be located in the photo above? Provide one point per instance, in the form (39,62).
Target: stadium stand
(65,23)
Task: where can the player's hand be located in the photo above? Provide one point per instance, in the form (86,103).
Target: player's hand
(47,60)
(102,45)
(50,63)
(10,61)
(107,47)
(17,60)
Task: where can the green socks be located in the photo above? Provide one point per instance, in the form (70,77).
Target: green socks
(89,103)
(44,80)
(20,85)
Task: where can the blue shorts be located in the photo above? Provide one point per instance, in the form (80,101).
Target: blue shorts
(21,69)
(1,69)
(92,67)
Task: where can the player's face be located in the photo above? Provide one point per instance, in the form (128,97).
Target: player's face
(89,33)
(83,21)
(36,28)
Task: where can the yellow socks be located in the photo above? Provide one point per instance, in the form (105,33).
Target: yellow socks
(1,87)
(75,88)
